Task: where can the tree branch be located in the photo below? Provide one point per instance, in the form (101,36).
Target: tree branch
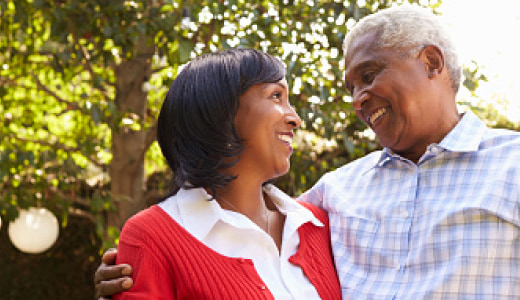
(42,87)
(81,213)
(88,66)
(60,146)
(45,143)
(5,80)
(157,70)
(74,198)
(86,63)
(150,137)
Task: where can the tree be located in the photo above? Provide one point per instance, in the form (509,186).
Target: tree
(81,83)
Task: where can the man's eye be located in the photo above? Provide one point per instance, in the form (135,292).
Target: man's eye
(276,95)
(368,77)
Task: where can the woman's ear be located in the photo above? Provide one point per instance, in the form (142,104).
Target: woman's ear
(433,59)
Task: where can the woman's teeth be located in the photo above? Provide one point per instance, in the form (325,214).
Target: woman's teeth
(285,138)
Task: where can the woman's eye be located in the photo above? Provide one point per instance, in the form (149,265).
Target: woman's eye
(276,95)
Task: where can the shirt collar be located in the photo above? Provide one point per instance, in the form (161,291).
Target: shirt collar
(464,137)
(200,214)
(197,211)
(290,207)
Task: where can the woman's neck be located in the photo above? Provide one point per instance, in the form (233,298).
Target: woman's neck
(247,199)
(252,202)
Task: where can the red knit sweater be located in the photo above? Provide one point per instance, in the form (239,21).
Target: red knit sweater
(169,263)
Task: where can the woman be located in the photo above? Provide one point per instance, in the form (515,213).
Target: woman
(225,129)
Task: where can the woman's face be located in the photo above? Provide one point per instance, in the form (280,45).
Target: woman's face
(265,121)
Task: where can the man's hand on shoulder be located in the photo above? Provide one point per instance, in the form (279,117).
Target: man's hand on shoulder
(110,278)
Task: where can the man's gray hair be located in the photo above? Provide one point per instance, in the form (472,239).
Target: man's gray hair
(408,29)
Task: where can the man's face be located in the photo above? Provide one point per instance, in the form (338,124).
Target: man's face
(396,97)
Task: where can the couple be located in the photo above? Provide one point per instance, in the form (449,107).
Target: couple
(434,215)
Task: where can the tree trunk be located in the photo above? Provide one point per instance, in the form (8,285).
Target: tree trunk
(128,145)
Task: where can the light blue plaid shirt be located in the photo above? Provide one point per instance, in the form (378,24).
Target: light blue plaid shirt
(446,228)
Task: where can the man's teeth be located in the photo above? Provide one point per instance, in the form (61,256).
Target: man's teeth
(285,138)
(377,114)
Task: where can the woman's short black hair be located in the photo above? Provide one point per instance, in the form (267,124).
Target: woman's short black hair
(196,125)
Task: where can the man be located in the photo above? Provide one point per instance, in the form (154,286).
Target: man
(436,213)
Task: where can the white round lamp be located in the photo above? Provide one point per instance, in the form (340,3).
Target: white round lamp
(34,231)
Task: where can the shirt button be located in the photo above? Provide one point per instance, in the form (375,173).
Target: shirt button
(404,214)
(241,260)
(262,287)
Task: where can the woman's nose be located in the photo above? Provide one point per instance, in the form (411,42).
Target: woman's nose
(293,118)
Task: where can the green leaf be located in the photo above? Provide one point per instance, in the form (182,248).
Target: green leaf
(185,48)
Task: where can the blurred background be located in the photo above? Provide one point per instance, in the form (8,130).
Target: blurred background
(81,84)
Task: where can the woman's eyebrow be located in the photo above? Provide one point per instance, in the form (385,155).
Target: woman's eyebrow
(282,85)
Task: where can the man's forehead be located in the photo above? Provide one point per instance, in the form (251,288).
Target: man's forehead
(359,46)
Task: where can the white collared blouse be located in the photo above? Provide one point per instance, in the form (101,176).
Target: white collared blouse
(233,234)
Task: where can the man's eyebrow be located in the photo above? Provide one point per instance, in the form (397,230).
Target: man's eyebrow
(367,64)
(361,66)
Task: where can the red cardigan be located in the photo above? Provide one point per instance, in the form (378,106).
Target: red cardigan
(170,263)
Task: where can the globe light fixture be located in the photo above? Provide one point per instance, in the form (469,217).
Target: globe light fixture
(34,231)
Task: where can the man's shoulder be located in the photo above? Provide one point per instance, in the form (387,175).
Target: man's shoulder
(360,164)
(501,138)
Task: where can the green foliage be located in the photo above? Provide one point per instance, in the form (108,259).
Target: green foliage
(63,93)
(64,85)
(62,102)
(472,77)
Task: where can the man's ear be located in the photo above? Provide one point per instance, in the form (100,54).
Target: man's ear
(433,59)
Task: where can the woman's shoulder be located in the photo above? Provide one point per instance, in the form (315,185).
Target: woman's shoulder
(152,214)
(152,222)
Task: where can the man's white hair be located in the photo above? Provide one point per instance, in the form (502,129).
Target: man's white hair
(408,29)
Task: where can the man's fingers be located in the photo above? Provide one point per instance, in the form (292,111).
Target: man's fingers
(109,257)
(110,278)
(109,288)
(108,272)
(127,283)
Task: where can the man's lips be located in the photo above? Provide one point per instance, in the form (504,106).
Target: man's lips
(374,115)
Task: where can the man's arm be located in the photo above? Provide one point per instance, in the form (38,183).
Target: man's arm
(111,279)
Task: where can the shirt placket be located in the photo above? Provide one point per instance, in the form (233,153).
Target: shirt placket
(402,221)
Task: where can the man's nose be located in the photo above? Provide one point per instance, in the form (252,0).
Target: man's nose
(359,98)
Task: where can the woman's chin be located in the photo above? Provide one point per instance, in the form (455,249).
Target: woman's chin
(282,170)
